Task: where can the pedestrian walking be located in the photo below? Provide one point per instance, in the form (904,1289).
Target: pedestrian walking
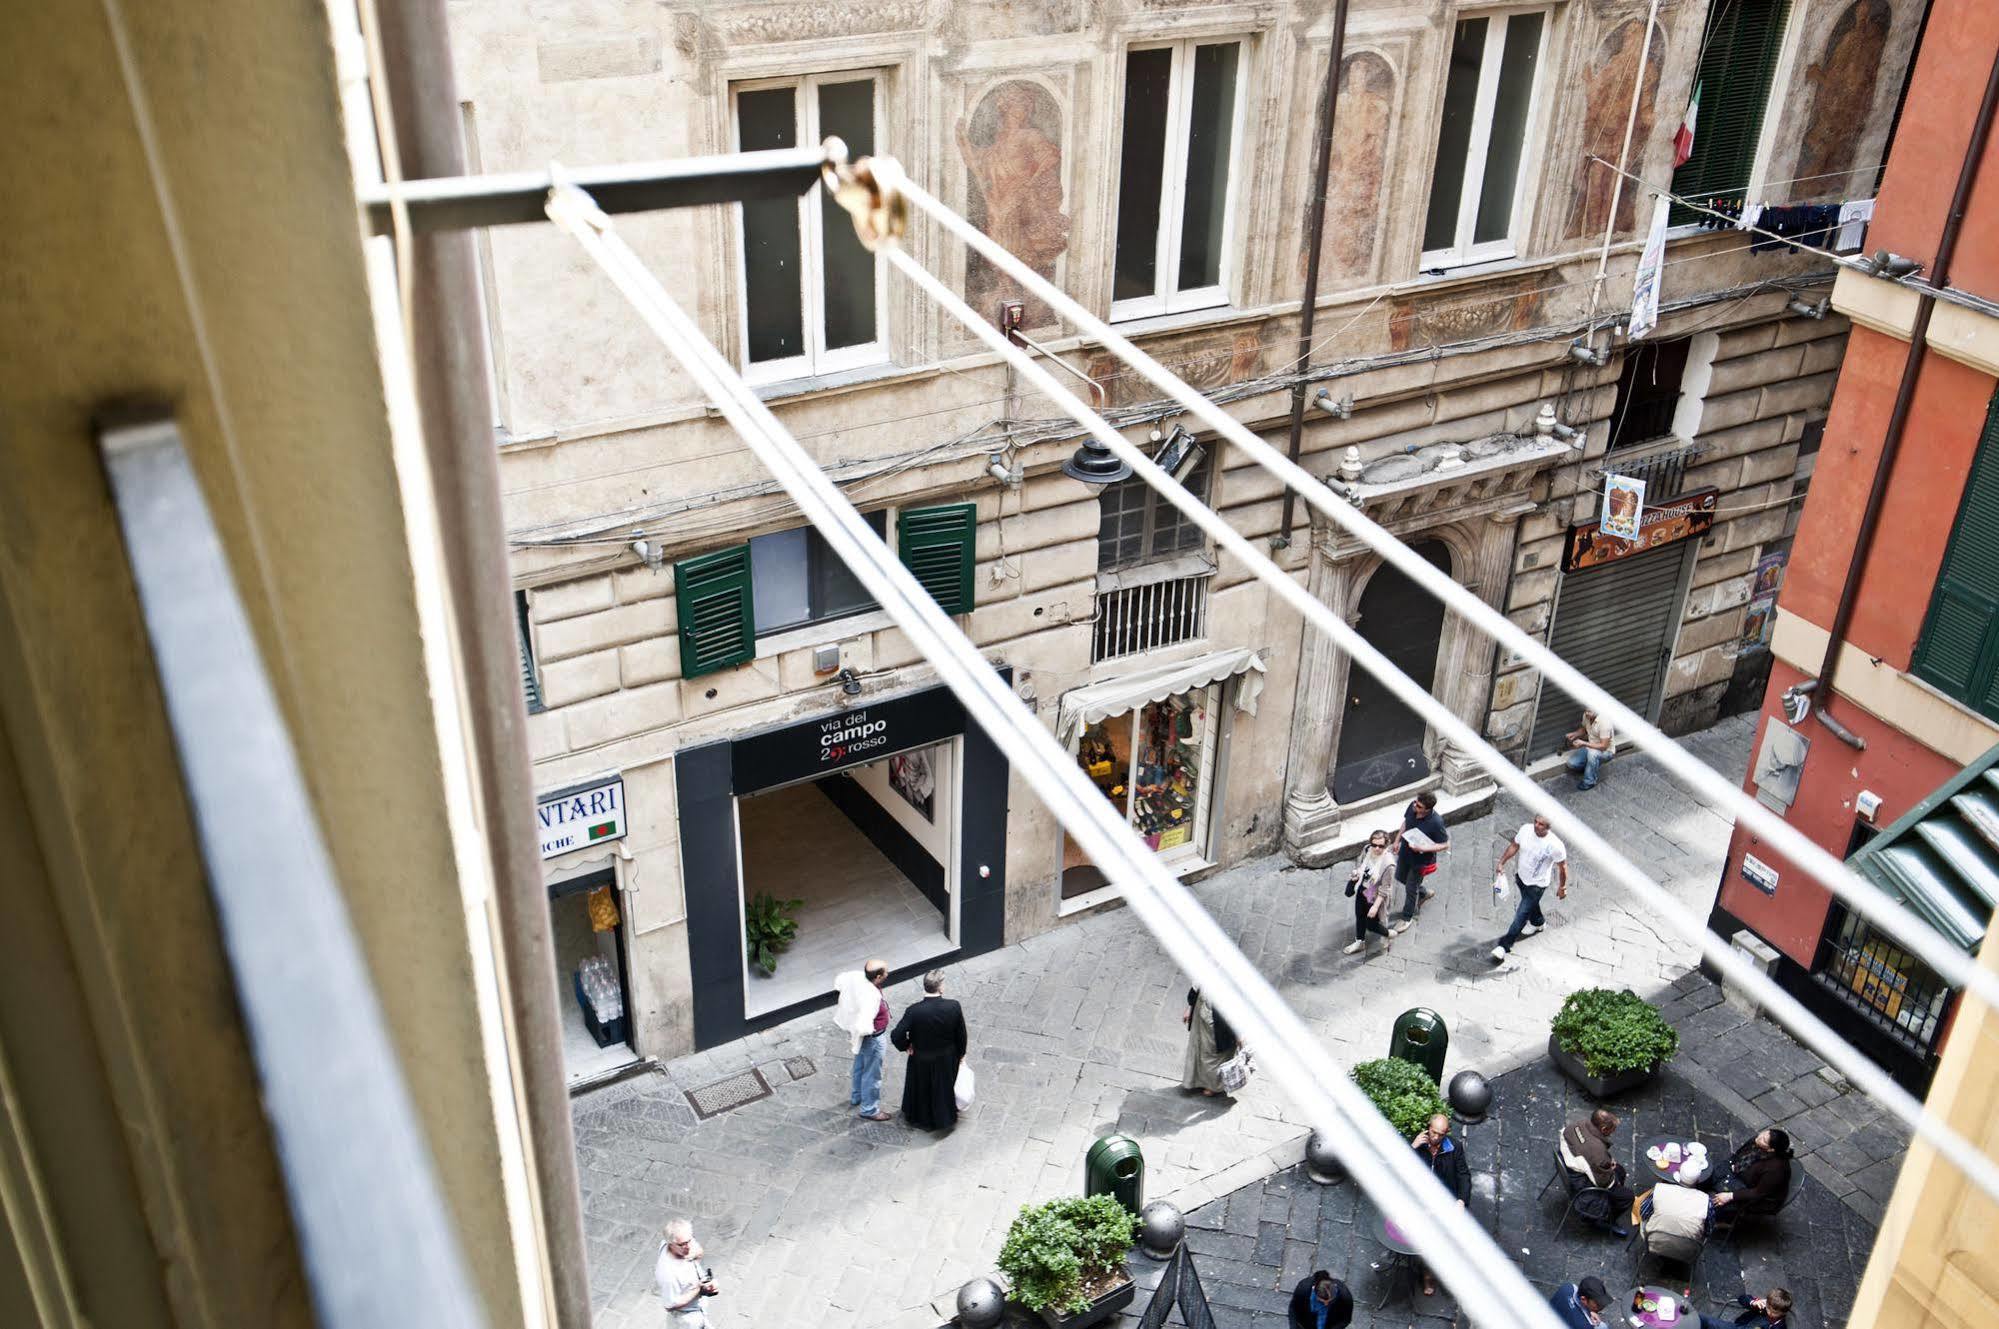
(863,1013)
(933,1033)
(1589,748)
(1210,1044)
(1372,886)
(1423,838)
(1543,859)
(684,1285)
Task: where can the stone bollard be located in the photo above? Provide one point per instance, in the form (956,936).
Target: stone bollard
(1322,1164)
(1161,1230)
(981,1304)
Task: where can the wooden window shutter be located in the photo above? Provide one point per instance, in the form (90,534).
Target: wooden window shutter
(530,684)
(717,618)
(1738,61)
(936,545)
(1959,646)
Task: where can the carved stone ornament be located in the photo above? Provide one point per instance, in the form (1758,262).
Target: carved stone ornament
(794,23)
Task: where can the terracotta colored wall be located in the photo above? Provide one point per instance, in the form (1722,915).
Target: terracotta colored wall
(1898,768)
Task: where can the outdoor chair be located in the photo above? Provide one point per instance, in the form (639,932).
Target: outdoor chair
(1677,1230)
(1592,1202)
(1729,1220)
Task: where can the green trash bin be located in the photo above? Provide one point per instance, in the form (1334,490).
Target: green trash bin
(1114,1166)
(1420,1036)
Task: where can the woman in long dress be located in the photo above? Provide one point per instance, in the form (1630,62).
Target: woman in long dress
(1210,1042)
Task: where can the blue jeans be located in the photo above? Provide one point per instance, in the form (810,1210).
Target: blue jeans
(1528,912)
(867,1095)
(1410,878)
(1585,762)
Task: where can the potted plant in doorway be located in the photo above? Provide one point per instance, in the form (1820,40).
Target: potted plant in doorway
(768,924)
(1064,1260)
(1609,1042)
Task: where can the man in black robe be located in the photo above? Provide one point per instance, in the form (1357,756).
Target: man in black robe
(932,1032)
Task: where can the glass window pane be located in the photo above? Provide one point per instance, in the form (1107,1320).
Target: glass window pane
(835,589)
(779,594)
(1141,169)
(1173,532)
(773,302)
(1440,228)
(1166,783)
(848,111)
(1509,128)
(1210,132)
(1104,753)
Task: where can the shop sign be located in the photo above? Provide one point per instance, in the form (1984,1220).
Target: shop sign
(849,738)
(577,818)
(1759,874)
(1664,523)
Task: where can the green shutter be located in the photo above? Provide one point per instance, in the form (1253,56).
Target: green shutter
(530,685)
(717,620)
(1959,646)
(1738,60)
(936,545)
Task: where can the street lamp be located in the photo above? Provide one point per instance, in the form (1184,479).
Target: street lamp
(1095,465)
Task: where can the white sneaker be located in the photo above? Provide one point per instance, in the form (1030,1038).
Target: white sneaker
(1400,927)
(1353,948)
(1533,928)
(1499,954)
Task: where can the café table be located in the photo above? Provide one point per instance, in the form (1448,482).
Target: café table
(1639,1318)
(1668,1172)
(1403,1263)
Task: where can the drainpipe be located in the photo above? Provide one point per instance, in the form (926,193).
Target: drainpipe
(1898,418)
(1315,223)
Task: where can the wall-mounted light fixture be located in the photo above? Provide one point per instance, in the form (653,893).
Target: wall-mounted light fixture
(1339,410)
(1894,267)
(1805,309)
(1095,465)
(1583,353)
(850,683)
(1179,454)
(649,554)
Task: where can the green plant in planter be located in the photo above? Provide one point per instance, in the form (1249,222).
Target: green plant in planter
(1614,1031)
(1402,1090)
(770,927)
(1061,1254)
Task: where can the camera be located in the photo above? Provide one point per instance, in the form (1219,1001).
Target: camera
(707,1281)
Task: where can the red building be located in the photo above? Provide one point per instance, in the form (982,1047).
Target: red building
(1887,621)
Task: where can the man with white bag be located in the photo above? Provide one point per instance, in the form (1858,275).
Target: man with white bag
(863,1013)
(1543,859)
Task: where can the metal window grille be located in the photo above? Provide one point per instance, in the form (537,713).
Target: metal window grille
(1144,618)
(1889,987)
(1664,473)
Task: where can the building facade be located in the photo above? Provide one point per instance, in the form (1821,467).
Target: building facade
(1888,769)
(693,654)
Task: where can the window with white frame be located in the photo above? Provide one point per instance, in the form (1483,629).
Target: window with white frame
(812,295)
(1489,93)
(1182,117)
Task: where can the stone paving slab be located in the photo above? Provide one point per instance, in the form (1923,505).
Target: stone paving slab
(1077,1032)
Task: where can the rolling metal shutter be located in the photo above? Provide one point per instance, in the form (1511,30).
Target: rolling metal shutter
(1617,624)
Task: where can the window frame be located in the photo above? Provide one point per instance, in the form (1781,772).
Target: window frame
(887,531)
(1149,523)
(1467,252)
(1166,297)
(816,361)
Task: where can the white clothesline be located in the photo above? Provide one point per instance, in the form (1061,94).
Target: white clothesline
(1460,1251)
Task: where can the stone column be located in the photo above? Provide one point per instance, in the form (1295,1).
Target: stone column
(1310,814)
(1467,656)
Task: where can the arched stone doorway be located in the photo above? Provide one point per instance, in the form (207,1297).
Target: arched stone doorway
(1382,743)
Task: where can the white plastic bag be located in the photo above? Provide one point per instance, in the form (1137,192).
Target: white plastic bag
(1498,887)
(962,1091)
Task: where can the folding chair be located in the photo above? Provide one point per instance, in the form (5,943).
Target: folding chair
(1592,1202)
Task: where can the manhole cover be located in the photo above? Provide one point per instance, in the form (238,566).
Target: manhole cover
(714,1099)
(799,1067)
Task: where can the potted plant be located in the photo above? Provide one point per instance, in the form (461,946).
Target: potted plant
(1064,1260)
(768,924)
(1609,1042)
(1402,1091)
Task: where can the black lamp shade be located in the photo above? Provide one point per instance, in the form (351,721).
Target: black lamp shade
(1095,464)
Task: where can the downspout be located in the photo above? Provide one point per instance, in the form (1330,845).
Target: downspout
(1315,224)
(1898,418)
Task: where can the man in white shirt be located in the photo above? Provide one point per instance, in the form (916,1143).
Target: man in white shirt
(1589,749)
(863,1012)
(677,1274)
(1543,858)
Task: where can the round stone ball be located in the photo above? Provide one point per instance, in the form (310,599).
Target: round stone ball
(1161,1227)
(1471,1096)
(1322,1164)
(981,1304)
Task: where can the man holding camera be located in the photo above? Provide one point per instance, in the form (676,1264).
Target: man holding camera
(684,1286)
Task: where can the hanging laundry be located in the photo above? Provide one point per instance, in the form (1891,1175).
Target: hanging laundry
(1805,225)
(1853,218)
(1719,212)
(1751,214)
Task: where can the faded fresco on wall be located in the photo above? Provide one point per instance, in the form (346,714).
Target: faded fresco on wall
(1606,94)
(1354,177)
(1205,362)
(1503,305)
(1012,146)
(1842,83)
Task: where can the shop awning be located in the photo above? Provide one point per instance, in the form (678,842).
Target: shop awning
(1941,859)
(1100,701)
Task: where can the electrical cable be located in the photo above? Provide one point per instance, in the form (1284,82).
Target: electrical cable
(1462,1253)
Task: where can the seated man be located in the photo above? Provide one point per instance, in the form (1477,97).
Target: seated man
(1767,1312)
(1321,1302)
(1580,1305)
(1588,749)
(1587,1142)
(1758,1180)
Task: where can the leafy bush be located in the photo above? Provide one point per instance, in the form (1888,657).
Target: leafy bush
(768,923)
(1054,1250)
(1402,1090)
(1614,1031)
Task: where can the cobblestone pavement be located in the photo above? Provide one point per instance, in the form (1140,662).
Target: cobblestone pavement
(1252,1246)
(812,1217)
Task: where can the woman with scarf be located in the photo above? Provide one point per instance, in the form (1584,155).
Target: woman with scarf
(1210,1042)
(1372,885)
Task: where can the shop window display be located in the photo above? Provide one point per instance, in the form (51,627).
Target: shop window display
(1151,763)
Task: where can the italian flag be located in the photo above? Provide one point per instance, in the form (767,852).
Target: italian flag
(1683,137)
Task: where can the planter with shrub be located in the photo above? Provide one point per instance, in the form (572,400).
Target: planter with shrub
(1609,1042)
(1403,1091)
(1064,1260)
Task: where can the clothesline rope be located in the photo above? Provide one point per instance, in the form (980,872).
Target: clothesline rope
(1463,1254)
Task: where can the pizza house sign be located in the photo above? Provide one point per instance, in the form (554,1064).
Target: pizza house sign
(576,818)
(1666,523)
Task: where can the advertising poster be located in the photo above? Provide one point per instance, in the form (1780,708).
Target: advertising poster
(1769,574)
(911,776)
(1623,507)
(1682,517)
(1756,624)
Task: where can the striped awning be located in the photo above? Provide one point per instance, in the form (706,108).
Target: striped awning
(1114,696)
